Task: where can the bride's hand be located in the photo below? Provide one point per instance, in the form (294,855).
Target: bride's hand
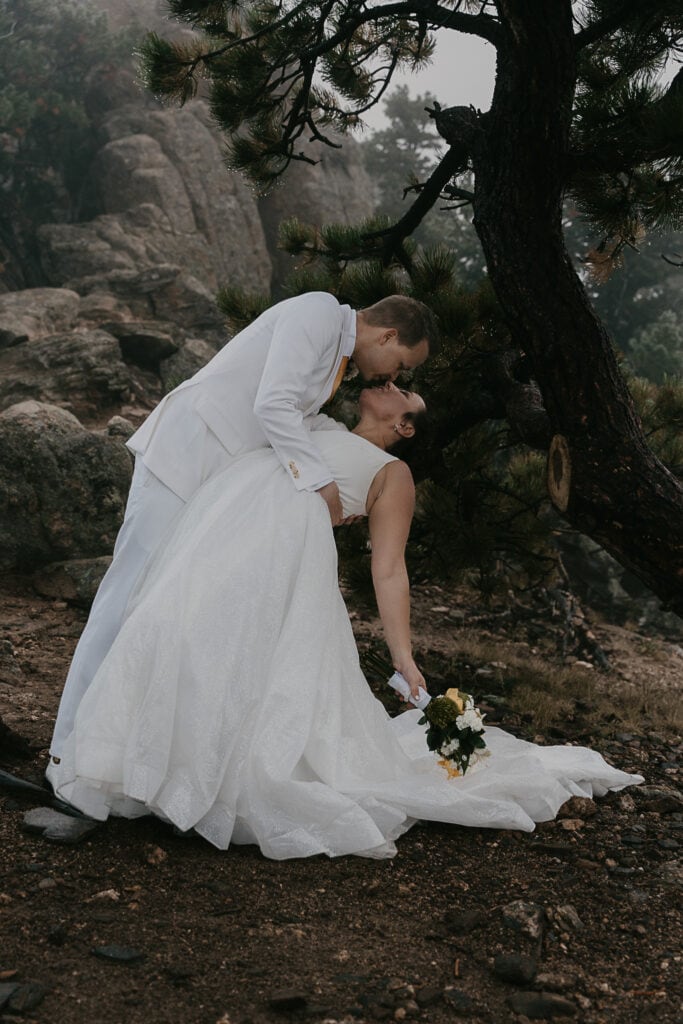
(413,677)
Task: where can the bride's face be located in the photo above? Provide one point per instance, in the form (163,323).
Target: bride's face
(389,404)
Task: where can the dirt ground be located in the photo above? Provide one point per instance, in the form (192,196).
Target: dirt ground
(234,937)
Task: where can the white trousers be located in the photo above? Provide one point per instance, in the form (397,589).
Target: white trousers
(150,509)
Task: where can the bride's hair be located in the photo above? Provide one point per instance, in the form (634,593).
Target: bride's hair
(414,321)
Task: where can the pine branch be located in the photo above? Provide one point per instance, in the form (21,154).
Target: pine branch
(610,23)
(482,25)
(450,165)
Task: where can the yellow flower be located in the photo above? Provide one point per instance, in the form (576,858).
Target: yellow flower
(453,772)
(454,695)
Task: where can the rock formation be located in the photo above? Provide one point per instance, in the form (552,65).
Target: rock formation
(63,488)
(129,309)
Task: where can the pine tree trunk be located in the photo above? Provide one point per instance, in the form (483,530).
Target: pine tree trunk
(618,491)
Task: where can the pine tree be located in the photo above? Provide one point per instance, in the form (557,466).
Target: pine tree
(47,138)
(402,155)
(656,352)
(576,113)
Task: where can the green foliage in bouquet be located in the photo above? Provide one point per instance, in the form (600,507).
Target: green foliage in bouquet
(455,728)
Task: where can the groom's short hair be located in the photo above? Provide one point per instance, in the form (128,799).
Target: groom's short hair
(413,320)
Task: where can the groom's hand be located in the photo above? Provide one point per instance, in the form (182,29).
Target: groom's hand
(330,495)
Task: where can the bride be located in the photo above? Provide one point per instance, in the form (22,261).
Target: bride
(232,700)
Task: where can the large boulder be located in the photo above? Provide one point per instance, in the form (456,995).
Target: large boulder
(35,312)
(173,158)
(194,354)
(76,581)
(335,190)
(63,489)
(83,370)
(163,198)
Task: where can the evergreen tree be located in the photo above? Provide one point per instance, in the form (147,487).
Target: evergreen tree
(407,151)
(656,352)
(402,155)
(576,112)
(47,50)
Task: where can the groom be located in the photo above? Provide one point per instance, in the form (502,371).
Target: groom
(262,389)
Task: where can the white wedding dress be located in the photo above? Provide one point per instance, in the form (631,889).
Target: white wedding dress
(232,700)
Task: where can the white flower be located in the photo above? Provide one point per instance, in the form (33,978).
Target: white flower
(449,748)
(469,704)
(471,719)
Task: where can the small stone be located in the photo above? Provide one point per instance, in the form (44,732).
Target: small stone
(75,581)
(528,918)
(59,828)
(541,1005)
(180,972)
(660,799)
(578,807)
(668,844)
(554,849)
(288,1000)
(47,883)
(118,954)
(27,997)
(515,968)
(381,1012)
(554,981)
(587,865)
(104,894)
(459,1002)
(7,989)
(567,919)
(154,855)
(627,803)
(395,984)
(462,922)
(57,935)
(429,995)
(119,426)
(571,824)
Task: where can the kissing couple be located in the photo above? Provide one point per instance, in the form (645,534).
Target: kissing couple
(217,683)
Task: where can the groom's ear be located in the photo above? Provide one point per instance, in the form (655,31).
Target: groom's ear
(388,334)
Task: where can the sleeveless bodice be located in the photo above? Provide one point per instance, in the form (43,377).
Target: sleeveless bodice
(354,463)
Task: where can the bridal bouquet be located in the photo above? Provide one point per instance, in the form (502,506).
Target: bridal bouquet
(455,730)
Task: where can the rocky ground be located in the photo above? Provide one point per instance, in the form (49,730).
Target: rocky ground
(579,919)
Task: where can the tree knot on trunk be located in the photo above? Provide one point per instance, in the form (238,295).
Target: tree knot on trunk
(459,126)
(559,472)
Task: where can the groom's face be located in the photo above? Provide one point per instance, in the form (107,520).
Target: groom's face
(386,358)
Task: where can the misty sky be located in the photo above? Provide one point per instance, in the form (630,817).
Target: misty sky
(462,72)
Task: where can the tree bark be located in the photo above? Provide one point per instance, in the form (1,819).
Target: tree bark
(620,494)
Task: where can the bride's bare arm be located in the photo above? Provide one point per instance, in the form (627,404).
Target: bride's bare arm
(391,502)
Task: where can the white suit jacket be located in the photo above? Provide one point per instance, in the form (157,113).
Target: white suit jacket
(257,391)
